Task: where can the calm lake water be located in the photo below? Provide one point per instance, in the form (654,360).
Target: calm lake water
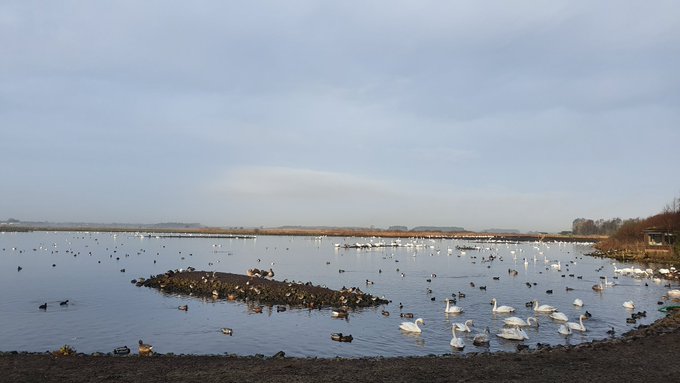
(106,311)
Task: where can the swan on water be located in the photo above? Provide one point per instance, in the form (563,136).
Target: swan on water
(675,293)
(456,342)
(577,326)
(598,287)
(559,316)
(578,302)
(452,309)
(501,309)
(543,308)
(564,330)
(481,339)
(514,333)
(412,326)
(463,327)
(516,321)
(629,305)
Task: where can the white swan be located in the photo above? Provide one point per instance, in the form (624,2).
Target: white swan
(481,339)
(607,283)
(578,302)
(412,326)
(564,330)
(558,316)
(456,342)
(452,309)
(557,265)
(577,326)
(501,309)
(675,293)
(543,308)
(515,321)
(514,333)
(464,327)
(629,305)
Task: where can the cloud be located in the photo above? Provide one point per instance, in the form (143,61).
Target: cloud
(301,185)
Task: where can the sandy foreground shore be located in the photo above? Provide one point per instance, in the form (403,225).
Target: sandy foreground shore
(647,354)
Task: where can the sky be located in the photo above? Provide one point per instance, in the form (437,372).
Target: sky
(479,114)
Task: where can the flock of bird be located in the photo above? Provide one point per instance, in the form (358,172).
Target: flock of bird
(513,326)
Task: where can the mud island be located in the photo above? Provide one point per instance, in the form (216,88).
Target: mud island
(208,284)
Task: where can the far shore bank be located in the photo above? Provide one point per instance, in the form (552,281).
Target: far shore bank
(340,232)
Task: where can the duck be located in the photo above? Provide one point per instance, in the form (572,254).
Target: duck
(145,349)
(559,316)
(598,287)
(578,302)
(412,326)
(183,308)
(501,309)
(339,337)
(43,306)
(577,326)
(516,321)
(385,313)
(629,305)
(456,342)
(611,331)
(452,309)
(481,339)
(63,303)
(406,315)
(121,350)
(339,313)
(564,330)
(464,327)
(280,309)
(514,333)
(227,331)
(543,308)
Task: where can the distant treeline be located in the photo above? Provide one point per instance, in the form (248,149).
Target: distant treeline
(584,226)
(630,235)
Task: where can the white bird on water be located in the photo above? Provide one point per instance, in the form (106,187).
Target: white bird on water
(501,309)
(514,333)
(464,327)
(456,342)
(629,305)
(452,309)
(516,321)
(558,316)
(577,326)
(564,330)
(543,308)
(578,302)
(412,326)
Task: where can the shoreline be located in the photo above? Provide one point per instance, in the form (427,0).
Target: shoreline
(647,352)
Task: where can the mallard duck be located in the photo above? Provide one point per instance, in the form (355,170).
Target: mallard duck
(145,349)
(338,337)
(406,315)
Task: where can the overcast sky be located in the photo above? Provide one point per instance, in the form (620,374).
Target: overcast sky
(480,114)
